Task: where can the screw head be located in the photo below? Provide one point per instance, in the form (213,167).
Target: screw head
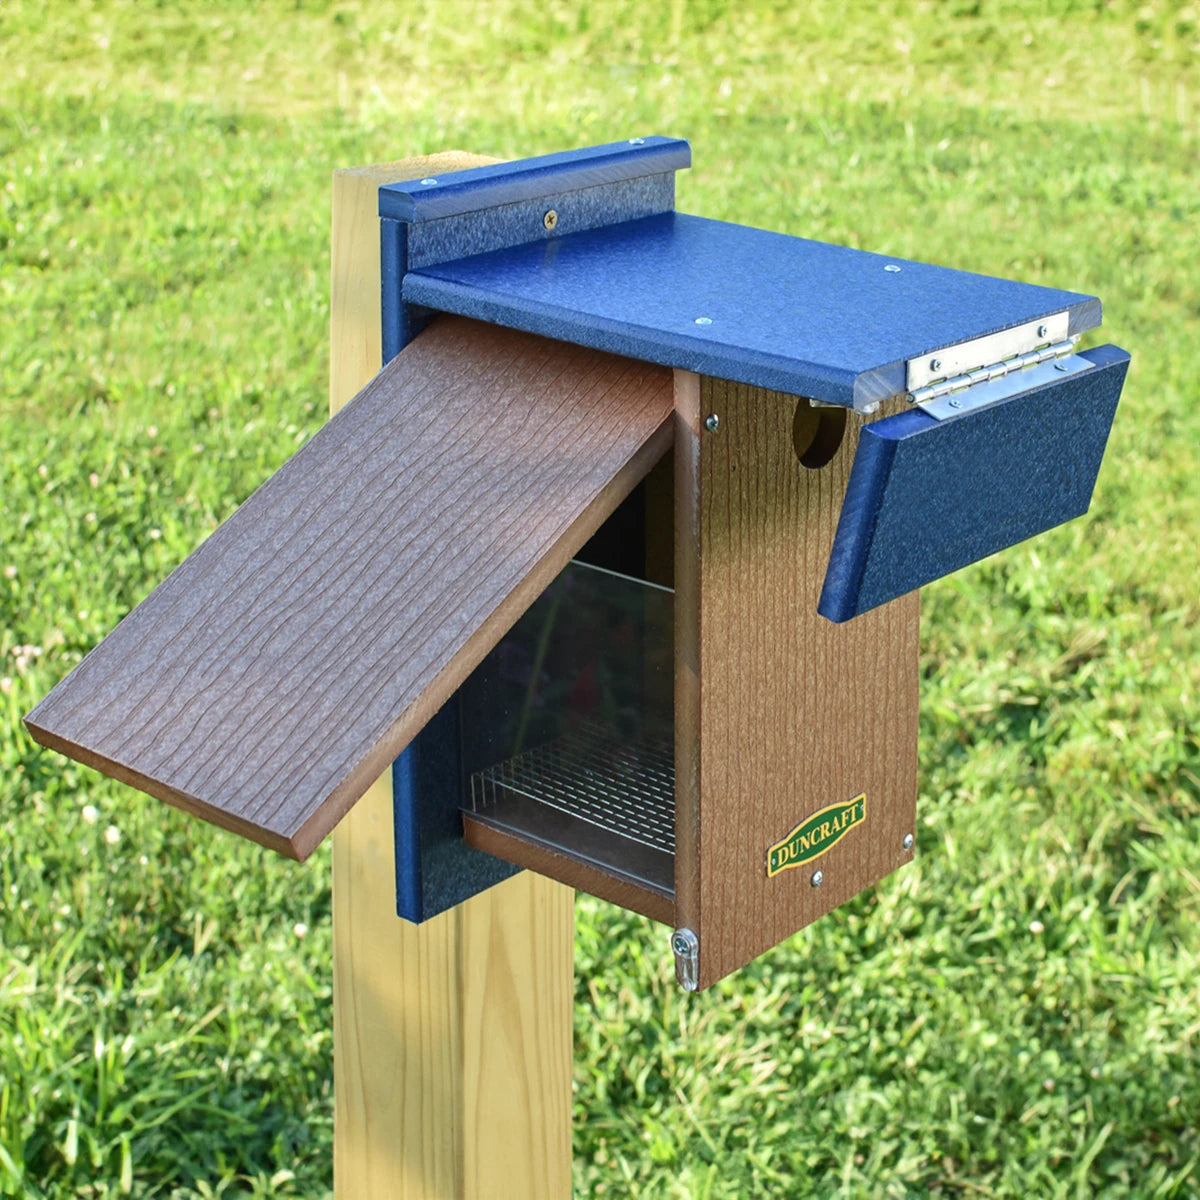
(818,878)
(712,422)
(1043,331)
(892,269)
(679,944)
(428,182)
(550,220)
(1061,366)
(935,364)
(908,841)
(637,141)
(955,403)
(704,320)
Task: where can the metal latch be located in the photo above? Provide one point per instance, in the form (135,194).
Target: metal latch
(686,948)
(962,378)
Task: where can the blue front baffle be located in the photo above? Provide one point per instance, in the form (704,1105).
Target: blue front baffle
(927,497)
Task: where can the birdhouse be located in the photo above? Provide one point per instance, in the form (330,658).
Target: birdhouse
(627,532)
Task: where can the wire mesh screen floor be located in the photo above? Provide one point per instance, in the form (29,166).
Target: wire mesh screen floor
(586,795)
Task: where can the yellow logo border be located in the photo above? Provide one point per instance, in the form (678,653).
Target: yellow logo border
(840,806)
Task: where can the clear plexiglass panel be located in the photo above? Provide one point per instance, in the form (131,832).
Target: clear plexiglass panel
(567,730)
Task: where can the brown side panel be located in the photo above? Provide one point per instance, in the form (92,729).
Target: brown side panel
(779,712)
(249,689)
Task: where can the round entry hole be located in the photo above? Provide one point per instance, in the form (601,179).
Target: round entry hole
(817,433)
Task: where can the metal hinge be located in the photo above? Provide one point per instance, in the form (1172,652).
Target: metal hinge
(966,377)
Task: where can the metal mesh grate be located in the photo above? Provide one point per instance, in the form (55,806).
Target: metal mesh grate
(626,788)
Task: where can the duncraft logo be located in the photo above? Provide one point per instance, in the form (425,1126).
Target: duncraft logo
(816,834)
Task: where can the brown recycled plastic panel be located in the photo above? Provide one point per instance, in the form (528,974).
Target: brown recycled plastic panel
(779,713)
(442,500)
(794,738)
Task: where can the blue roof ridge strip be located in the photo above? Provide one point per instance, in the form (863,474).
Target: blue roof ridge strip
(479,188)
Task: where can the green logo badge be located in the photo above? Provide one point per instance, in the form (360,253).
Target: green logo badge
(816,834)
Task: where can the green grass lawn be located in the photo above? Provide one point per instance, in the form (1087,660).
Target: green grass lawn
(1018,1013)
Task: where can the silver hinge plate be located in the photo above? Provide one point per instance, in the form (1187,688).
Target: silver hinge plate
(966,377)
(983,351)
(992,388)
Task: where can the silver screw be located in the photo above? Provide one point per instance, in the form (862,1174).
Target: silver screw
(1043,331)
(818,878)
(935,364)
(637,141)
(1061,366)
(908,841)
(550,219)
(679,944)
(428,182)
(712,422)
(891,268)
(956,404)
(704,320)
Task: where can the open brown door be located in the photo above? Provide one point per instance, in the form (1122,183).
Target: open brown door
(443,499)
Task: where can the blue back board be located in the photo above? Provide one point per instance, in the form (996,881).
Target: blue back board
(927,497)
(426,222)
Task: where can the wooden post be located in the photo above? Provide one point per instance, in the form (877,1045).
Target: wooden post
(452,1039)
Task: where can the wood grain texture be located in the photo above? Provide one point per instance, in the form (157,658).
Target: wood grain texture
(452,1039)
(517,951)
(355,334)
(779,712)
(440,501)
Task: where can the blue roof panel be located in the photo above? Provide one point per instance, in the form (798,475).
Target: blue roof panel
(748,305)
